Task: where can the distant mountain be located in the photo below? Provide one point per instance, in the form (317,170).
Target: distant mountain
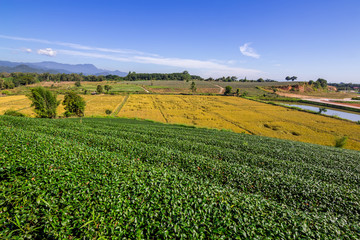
(86,69)
(25,69)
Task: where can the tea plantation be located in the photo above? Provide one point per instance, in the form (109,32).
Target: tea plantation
(121,178)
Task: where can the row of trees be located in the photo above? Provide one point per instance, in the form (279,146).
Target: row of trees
(319,83)
(235,79)
(45,103)
(184,76)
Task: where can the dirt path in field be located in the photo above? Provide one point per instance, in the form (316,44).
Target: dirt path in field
(119,106)
(222,90)
(147,91)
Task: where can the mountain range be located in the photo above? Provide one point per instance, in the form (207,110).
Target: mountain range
(54,67)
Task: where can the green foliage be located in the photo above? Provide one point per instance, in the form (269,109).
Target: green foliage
(238,92)
(341,142)
(322,109)
(108,112)
(193,87)
(77,84)
(99,89)
(107,88)
(44,101)
(244,94)
(228,90)
(14,113)
(139,179)
(74,104)
(293,78)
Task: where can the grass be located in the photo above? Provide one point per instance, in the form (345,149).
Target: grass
(138,180)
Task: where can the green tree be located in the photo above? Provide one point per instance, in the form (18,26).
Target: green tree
(321,82)
(77,84)
(228,90)
(193,87)
(238,92)
(322,109)
(74,104)
(186,76)
(44,101)
(107,88)
(293,78)
(288,78)
(99,89)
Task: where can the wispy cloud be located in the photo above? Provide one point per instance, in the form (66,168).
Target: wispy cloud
(47,51)
(248,51)
(206,67)
(77,46)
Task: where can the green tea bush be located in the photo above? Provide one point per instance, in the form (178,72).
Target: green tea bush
(121,178)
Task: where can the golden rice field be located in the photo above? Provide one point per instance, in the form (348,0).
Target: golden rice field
(237,114)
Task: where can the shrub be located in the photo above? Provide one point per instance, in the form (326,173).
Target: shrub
(99,89)
(14,113)
(108,112)
(341,142)
(227,90)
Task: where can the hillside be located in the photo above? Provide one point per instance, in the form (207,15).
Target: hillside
(138,179)
(25,69)
(54,67)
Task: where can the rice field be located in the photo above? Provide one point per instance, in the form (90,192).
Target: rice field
(241,115)
(230,113)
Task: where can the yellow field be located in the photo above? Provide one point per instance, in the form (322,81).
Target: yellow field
(96,105)
(237,114)
(241,115)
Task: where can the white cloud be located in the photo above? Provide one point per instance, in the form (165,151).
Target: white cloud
(28,50)
(211,67)
(77,46)
(248,51)
(47,51)
(207,68)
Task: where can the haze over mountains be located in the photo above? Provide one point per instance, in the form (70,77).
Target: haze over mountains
(54,67)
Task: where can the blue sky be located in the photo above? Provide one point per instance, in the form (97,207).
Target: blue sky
(268,39)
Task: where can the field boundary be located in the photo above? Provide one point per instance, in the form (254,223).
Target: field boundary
(120,106)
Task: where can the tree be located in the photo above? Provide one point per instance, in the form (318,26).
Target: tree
(288,78)
(322,109)
(186,76)
(44,101)
(321,82)
(227,90)
(193,87)
(107,88)
(238,92)
(293,78)
(74,104)
(99,89)
(77,84)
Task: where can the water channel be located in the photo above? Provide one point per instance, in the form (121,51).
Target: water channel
(329,111)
